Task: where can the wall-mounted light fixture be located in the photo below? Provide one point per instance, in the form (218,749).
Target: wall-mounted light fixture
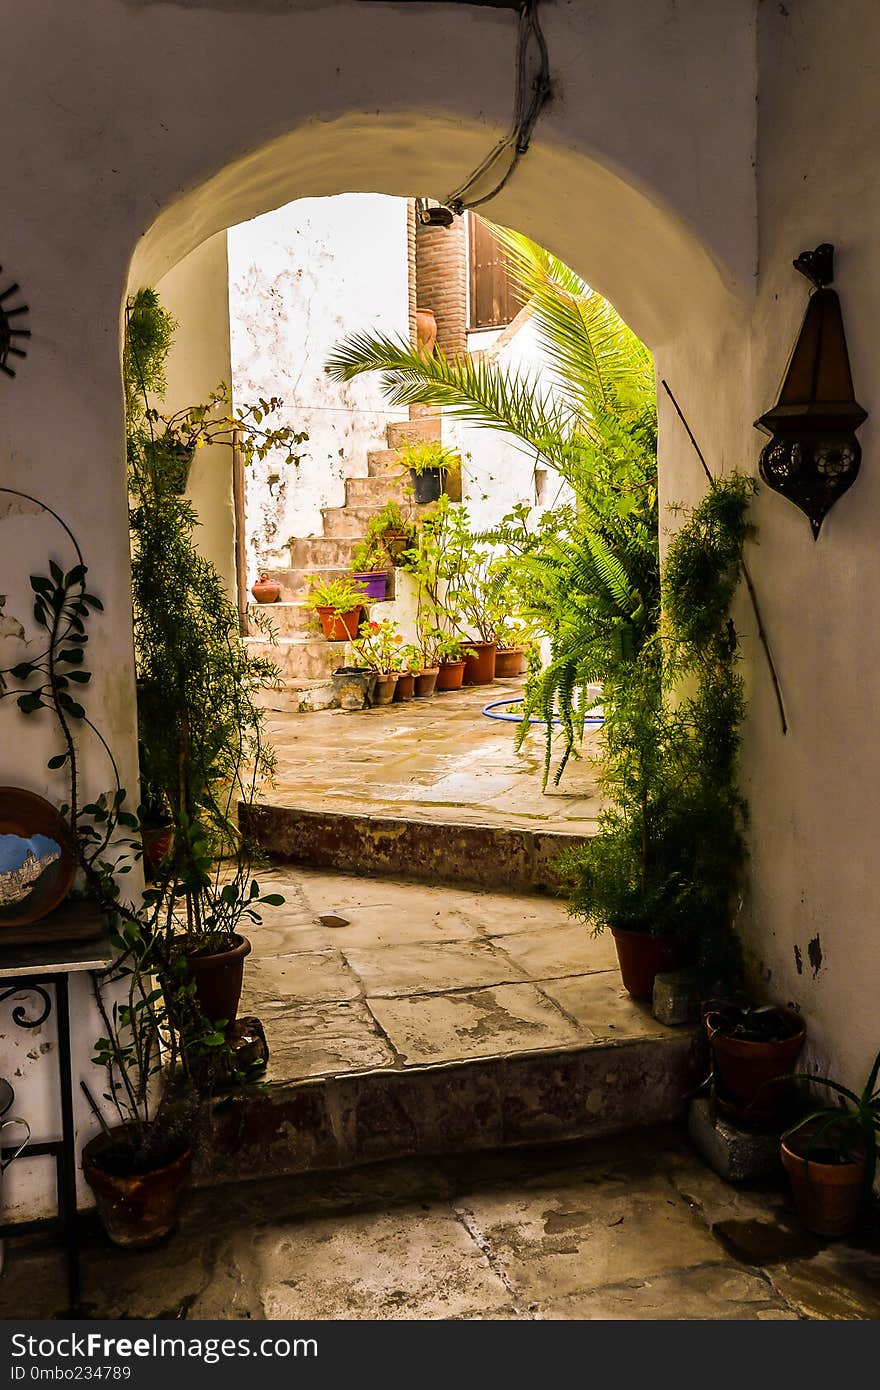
(813,456)
(433,214)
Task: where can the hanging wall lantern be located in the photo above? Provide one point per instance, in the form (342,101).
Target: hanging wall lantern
(813,455)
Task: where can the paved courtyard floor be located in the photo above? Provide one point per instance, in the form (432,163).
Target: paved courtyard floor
(425,757)
(416,975)
(628,1228)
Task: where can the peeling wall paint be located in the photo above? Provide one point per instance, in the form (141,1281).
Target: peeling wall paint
(300,279)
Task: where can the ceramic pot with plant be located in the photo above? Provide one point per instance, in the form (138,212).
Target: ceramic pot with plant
(266,590)
(429,462)
(479,667)
(137,1209)
(753,1047)
(509,661)
(386,684)
(830,1155)
(338,603)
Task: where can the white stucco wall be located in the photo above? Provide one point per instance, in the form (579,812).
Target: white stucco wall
(642,175)
(300,279)
(195,293)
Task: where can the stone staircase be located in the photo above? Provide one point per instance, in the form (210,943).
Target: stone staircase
(305,659)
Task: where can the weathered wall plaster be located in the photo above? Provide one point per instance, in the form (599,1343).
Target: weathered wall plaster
(300,279)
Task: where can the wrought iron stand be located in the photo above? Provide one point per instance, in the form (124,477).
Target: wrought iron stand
(37,970)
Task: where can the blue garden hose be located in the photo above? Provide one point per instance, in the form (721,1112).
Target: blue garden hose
(593,720)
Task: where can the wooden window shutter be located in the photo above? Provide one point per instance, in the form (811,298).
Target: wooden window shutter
(494,300)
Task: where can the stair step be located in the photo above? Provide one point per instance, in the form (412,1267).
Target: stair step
(526,1097)
(375,492)
(295,582)
(347,522)
(413,431)
(299,658)
(321,552)
(485,856)
(287,617)
(383,463)
(296,697)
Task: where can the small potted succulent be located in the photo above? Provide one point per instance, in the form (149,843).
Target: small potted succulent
(830,1155)
(338,603)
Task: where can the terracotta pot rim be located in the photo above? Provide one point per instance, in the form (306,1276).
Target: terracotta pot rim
(835,1174)
(241,948)
(746,1047)
(101,1141)
(447,665)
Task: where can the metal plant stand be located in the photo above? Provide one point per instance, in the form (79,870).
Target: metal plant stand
(33,972)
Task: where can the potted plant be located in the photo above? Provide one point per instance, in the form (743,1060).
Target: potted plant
(510,655)
(377,647)
(389,537)
(429,462)
(664,870)
(830,1155)
(752,1047)
(371,564)
(338,603)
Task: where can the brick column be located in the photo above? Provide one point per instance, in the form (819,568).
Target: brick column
(441,281)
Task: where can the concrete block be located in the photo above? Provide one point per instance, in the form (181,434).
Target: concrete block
(737,1155)
(676,997)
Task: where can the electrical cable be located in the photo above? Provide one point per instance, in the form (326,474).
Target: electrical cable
(527,108)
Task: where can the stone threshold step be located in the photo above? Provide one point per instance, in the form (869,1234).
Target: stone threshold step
(344,1121)
(508,858)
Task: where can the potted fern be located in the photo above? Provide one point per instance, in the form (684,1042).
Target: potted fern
(429,463)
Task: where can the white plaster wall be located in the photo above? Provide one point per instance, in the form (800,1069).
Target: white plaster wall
(120,140)
(300,279)
(498,470)
(195,292)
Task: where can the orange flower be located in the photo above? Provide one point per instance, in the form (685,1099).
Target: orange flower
(374,627)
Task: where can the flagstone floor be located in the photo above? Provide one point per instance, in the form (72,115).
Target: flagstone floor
(413,975)
(425,757)
(633,1227)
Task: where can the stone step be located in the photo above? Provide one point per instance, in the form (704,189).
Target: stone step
(297,697)
(347,522)
(287,618)
(383,463)
(321,552)
(504,1101)
(432,851)
(413,431)
(294,582)
(299,658)
(375,492)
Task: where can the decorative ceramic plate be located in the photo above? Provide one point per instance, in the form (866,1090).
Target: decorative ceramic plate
(36,865)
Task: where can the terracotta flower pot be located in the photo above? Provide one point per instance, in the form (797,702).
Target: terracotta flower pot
(450,675)
(219,978)
(827,1196)
(158,844)
(479,669)
(426,681)
(745,1071)
(266,590)
(426,330)
(340,627)
(406,686)
(137,1211)
(386,684)
(641,956)
(396,542)
(509,661)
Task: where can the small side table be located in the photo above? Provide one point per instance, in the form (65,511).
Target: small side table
(32,970)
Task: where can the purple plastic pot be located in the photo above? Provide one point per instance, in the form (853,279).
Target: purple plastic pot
(374,583)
